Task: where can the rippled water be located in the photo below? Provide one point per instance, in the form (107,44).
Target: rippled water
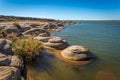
(102,38)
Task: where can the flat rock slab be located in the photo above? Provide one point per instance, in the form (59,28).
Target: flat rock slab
(9,73)
(4,60)
(5,46)
(56,42)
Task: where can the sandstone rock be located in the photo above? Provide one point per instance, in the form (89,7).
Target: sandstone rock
(75,53)
(34,25)
(57,43)
(2,43)
(17,62)
(24,28)
(51,26)
(5,46)
(56,40)
(11,29)
(4,60)
(9,42)
(34,31)
(42,39)
(46,34)
(9,73)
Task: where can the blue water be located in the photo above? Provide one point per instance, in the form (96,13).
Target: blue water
(103,40)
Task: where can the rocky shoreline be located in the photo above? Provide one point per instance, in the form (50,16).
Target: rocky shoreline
(12,66)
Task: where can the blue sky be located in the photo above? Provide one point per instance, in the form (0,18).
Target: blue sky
(63,9)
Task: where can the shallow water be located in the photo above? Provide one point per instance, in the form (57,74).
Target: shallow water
(103,40)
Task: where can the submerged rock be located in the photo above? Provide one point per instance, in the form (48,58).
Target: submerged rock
(57,43)
(75,53)
(9,73)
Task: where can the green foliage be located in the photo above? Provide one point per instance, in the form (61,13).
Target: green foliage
(17,24)
(28,49)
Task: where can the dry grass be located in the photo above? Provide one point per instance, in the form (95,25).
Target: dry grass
(12,36)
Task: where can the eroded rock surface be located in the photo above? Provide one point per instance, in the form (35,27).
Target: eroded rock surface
(9,73)
(75,52)
(57,43)
(10,65)
(4,60)
(42,39)
(34,31)
(5,46)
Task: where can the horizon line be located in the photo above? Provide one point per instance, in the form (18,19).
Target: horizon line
(66,19)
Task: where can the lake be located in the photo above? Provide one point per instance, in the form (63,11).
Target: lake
(103,40)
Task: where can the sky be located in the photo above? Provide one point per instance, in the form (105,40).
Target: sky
(63,9)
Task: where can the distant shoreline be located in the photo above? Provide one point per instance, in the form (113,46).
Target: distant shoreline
(12,18)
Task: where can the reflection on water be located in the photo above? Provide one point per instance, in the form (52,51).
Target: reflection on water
(101,38)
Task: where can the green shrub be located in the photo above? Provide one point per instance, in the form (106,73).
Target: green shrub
(28,49)
(17,24)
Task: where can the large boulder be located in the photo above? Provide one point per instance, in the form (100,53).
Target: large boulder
(5,46)
(9,73)
(57,43)
(75,53)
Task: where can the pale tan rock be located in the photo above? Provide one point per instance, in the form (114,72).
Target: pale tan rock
(42,39)
(75,52)
(34,30)
(4,60)
(56,40)
(9,73)
(17,62)
(57,43)
(46,34)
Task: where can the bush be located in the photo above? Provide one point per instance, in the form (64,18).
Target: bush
(17,24)
(28,49)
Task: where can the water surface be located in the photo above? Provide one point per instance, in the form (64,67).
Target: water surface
(102,38)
